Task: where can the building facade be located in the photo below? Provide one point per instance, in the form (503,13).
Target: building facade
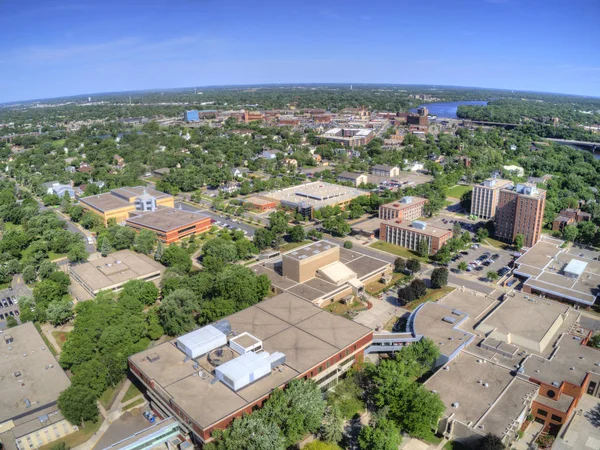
(353,177)
(406,209)
(383,170)
(484,200)
(410,235)
(569,216)
(520,211)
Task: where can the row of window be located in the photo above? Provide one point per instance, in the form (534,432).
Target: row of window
(553,417)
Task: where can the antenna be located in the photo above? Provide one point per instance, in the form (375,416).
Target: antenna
(130,99)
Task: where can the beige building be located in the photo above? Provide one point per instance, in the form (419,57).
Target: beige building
(111,273)
(353,177)
(383,170)
(409,235)
(303,264)
(30,383)
(484,201)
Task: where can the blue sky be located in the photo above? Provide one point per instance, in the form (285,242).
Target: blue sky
(54,48)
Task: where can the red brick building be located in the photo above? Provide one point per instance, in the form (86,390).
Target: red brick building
(569,216)
(405,209)
(170,224)
(520,211)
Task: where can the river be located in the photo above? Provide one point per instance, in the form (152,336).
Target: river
(447,109)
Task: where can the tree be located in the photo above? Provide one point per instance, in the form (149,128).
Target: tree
(463,266)
(177,257)
(78,405)
(414,265)
(456,230)
(77,253)
(59,312)
(570,233)
(519,242)
(160,249)
(297,233)
(382,436)
(333,422)
(89,220)
(91,374)
(320,445)
(491,442)
(29,274)
(46,269)
(399,265)
(48,291)
(249,432)
(482,234)
(105,248)
(348,244)
(11,322)
(60,445)
(419,287)
(176,312)
(278,222)
(145,241)
(594,341)
(492,275)
(263,238)
(439,277)
(423,248)
(406,295)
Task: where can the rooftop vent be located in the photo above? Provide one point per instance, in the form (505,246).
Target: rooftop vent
(455,405)
(8,339)
(449,319)
(17,374)
(153,357)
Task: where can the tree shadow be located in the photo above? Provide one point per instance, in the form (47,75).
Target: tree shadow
(593,416)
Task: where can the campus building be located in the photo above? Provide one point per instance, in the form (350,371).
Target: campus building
(169,224)
(259,203)
(349,137)
(322,272)
(408,235)
(484,200)
(191,116)
(383,170)
(406,209)
(520,211)
(30,384)
(208,377)
(119,203)
(569,216)
(570,274)
(353,177)
(111,273)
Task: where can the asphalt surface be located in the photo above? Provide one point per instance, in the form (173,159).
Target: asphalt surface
(19,289)
(217,218)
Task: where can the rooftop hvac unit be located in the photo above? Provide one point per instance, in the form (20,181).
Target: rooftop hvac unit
(153,357)
(201,341)
(420,225)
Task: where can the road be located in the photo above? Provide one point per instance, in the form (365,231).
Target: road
(217,218)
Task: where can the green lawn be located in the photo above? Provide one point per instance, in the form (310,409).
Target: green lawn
(458,190)
(495,243)
(133,391)
(46,341)
(396,250)
(152,179)
(108,397)
(59,143)
(132,405)
(292,245)
(377,286)
(60,337)
(453,445)
(77,438)
(54,256)
(432,295)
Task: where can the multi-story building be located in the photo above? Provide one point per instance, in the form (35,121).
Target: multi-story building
(415,119)
(484,200)
(169,224)
(119,203)
(383,170)
(349,137)
(353,177)
(253,116)
(520,211)
(407,209)
(409,235)
(569,216)
(208,377)
(191,116)
(30,384)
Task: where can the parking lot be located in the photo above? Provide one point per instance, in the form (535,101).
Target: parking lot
(219,219)
(484,259)
(8,305)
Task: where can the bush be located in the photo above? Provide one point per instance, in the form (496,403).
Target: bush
(347,244)
(413,264)
(399,265)
(439,277)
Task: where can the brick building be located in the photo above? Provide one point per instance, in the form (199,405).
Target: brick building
(409,235)
(569,216)
(484,200)
(520,211)
(407,209)
(169,224)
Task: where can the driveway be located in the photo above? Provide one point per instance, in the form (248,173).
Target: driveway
(382,311)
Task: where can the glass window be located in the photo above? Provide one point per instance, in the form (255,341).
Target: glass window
(556,418)
(541,412)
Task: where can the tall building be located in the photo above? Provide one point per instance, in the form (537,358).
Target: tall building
(485,197)
(406,209)
(520,211)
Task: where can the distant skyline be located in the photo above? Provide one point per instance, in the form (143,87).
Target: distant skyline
(62,48)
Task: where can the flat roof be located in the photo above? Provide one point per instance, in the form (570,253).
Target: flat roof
(257,200)
(316,194)
(464,384)
(167,219)
(114,199)
(546,263)
(351,175)
(115,269)
(310,250)
(39,380)
(306,334)
(570,362)
(427,231)
(473,303)
(404,202)
(525,316)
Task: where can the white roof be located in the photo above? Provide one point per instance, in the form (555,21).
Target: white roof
(337,272)
(239,369)
(575,267)
(202,340)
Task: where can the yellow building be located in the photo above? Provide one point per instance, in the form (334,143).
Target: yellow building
(119,203)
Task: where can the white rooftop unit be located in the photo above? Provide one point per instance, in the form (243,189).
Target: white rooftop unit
(575,268)
(419,225)
(201,341)
(248,368)
(407,199)
(245,342)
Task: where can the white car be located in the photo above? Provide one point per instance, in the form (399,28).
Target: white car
(90,240)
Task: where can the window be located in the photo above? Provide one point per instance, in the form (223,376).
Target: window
(320,369)
(327,365)
(556,418)
(550,393)
(541,412)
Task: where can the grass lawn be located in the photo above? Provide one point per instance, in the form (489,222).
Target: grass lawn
(458,190)
(133,391)
(433,439)
(132,405)
(432,295)
(341,309)
(495,243)
(46,341)
(396,250)
(453,445)
(77,438)
(59,143)
(54,256)
(8,226)
(292,245)
(376,287)
(60,337)
(152,179)
(108,397)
